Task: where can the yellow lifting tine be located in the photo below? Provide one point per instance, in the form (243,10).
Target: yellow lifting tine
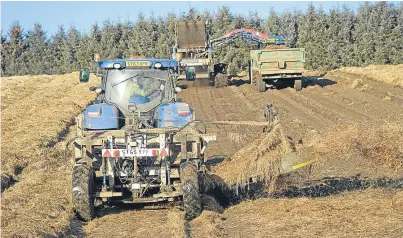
(306,163)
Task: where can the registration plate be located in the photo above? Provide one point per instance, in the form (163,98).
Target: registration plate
(138,152)
(138,64)
(208,138)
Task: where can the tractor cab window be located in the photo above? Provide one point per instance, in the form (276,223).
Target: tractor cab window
(141,90)
(133,88)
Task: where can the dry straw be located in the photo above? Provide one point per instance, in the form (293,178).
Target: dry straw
(390,74)
(258,161)
(35,113)
(140,223)
(351,214)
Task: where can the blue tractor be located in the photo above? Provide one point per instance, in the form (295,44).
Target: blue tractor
(138,143)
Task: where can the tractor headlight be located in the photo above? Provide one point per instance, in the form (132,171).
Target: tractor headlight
(157,65)
(117,66)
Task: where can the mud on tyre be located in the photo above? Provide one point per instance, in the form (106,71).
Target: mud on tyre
(191,191)
(83,186)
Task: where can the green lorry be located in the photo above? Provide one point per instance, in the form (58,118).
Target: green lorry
(276,67)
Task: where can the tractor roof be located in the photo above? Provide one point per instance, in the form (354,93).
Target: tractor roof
(137,63)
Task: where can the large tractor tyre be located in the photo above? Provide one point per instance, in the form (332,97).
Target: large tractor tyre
(298,85)
(259,82)
(191,191)
(83,182)
(220,80)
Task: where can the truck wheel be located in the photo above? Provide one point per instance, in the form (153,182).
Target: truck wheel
(261,84)
(298,85)
(250,71)
(220,80)
(83,181)
(191,191)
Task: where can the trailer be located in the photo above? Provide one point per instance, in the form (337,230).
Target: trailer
(276,67)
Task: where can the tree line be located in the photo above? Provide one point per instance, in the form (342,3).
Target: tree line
(373,34)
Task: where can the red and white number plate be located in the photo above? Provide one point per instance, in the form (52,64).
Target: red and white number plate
(138,152)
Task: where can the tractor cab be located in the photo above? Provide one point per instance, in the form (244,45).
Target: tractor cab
(130,88)
(137,85)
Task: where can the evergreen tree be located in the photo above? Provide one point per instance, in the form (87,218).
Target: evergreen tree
(72,47)
(170,33)
(386,18)
(290,28)
(162,44)
(192,15)
(38,54)
(58,49)
(138,44)
(364,36)
(93,46)
(83,59)
(108,44)
(306,34)
(320,36)
(253,21)
(333,39)
(221,25)
(127,34)
(152,37)
(345,37)
(273,26)
(3,49)
(14,59)
(395,41)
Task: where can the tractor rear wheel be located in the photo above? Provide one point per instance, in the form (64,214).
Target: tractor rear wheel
(191,191)
(220,80)
(83,182)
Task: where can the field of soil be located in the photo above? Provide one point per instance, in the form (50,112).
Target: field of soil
(350,120)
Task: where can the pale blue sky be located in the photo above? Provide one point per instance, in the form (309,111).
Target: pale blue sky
(83,14)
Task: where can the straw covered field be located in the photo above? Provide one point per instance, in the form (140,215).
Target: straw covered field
(36,112)
(350,121)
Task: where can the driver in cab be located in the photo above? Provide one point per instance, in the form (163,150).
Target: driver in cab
(135,89)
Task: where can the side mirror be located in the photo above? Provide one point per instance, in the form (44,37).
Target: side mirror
(183,86)
(95,89)
(84,75)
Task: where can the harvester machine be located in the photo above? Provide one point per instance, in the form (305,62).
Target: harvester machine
(194,52)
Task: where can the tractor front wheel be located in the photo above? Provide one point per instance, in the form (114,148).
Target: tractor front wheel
(83,190)
(191,191)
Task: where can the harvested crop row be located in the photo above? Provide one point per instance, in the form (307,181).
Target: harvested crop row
(258,161)
(142,223)
(389,74)
(382,144)
(370,213)
(36,111)
(40,204)
(370,151)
